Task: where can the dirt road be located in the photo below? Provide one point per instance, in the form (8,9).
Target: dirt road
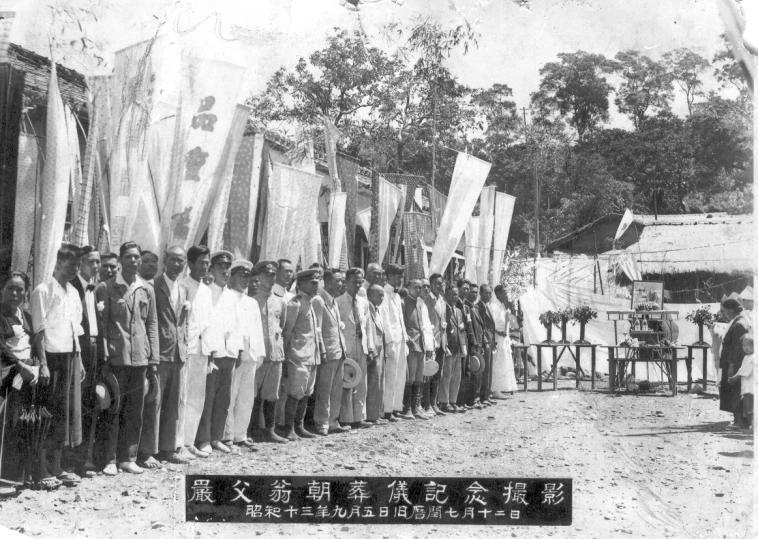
(643,466)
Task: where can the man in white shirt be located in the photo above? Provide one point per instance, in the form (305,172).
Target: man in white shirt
(394,337)
(226,346)
(437,310)
(85,283)
(57,317)
(198,343)
(249,326)
(148,267)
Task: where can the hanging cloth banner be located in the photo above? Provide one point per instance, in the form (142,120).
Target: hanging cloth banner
(363,220)
(472,241)
(503,215)
(437,203)
(220,199)
(26,191)
(54,188)
(80,233)
(348,171)
(410,181)
(243,199)
(414,224)
(209,91)
(399,225)
(626,220)
(469,176)
(337,205)
(390,198)
(292,207)
(301,157)
(486,226)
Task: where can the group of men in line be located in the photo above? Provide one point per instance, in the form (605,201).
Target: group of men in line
(238,355)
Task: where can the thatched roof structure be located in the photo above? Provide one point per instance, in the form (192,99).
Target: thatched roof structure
(716,243)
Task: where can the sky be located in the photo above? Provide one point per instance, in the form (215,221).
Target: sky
(515,41)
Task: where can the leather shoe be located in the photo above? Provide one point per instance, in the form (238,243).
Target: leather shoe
(361,424)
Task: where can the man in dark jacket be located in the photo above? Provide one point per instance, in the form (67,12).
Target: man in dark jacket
(457,341)
(417,352)
(163,418)
(488,342)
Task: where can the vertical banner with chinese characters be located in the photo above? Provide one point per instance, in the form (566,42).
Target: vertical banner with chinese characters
(209,90)
(414,224)
(486,226)
(472,241)
(379,500)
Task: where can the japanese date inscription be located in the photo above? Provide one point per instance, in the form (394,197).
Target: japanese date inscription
(378,500)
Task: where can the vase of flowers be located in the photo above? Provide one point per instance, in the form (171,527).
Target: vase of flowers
(564,316)
(548,319)
(583,314)
(701,317)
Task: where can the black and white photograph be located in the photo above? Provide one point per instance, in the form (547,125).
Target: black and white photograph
(377,268)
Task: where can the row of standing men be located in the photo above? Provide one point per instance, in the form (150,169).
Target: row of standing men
(212,353)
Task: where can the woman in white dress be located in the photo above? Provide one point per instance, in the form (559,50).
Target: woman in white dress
(503,376)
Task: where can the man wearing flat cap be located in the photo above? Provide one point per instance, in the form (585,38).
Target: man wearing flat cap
(303,349)
(268,376)
(248,318)
(226,346)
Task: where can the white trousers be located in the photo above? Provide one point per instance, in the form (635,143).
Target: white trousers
(241,404)
(395,372)
(197,370)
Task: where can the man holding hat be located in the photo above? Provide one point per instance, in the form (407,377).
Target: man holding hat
(198,344)
(268,376)
(248,317)
(394,337)
(358,345)
(226,346)
(418,350)
(330,372)
(130,330)
(375,368)
(163,419)
(303,350)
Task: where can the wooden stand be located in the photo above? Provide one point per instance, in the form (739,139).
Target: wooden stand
(521,350)
(688,363)
(632,355)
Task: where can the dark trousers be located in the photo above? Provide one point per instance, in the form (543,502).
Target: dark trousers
(439,357)
(218,396)
(63,399)
(89,399)
(118,433)
(160,418)
(486,377)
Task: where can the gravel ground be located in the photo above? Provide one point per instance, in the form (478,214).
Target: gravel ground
(643,465)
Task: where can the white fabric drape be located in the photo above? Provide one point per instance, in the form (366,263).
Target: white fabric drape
(469,176)
(51,215)
(337,204)
(503,215)
(486,226)
(292,207)
(26,200)
(472,240)
(363,220)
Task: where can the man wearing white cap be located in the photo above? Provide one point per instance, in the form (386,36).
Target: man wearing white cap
(746,298)
(248,317)
(226,346)
(303,350)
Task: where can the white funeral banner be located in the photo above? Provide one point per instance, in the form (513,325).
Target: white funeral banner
(503,215)
(292,207)
(363,220)
(471,250)
(219,197)
(390,198)
(486,226)
(337,204)
(209,90)
(54,188)
(626,220)
(469,176)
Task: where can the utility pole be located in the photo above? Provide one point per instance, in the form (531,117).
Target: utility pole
(536,191)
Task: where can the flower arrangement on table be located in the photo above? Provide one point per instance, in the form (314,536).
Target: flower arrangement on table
(582,314)
(549,319)
(702,316)
(564,317)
